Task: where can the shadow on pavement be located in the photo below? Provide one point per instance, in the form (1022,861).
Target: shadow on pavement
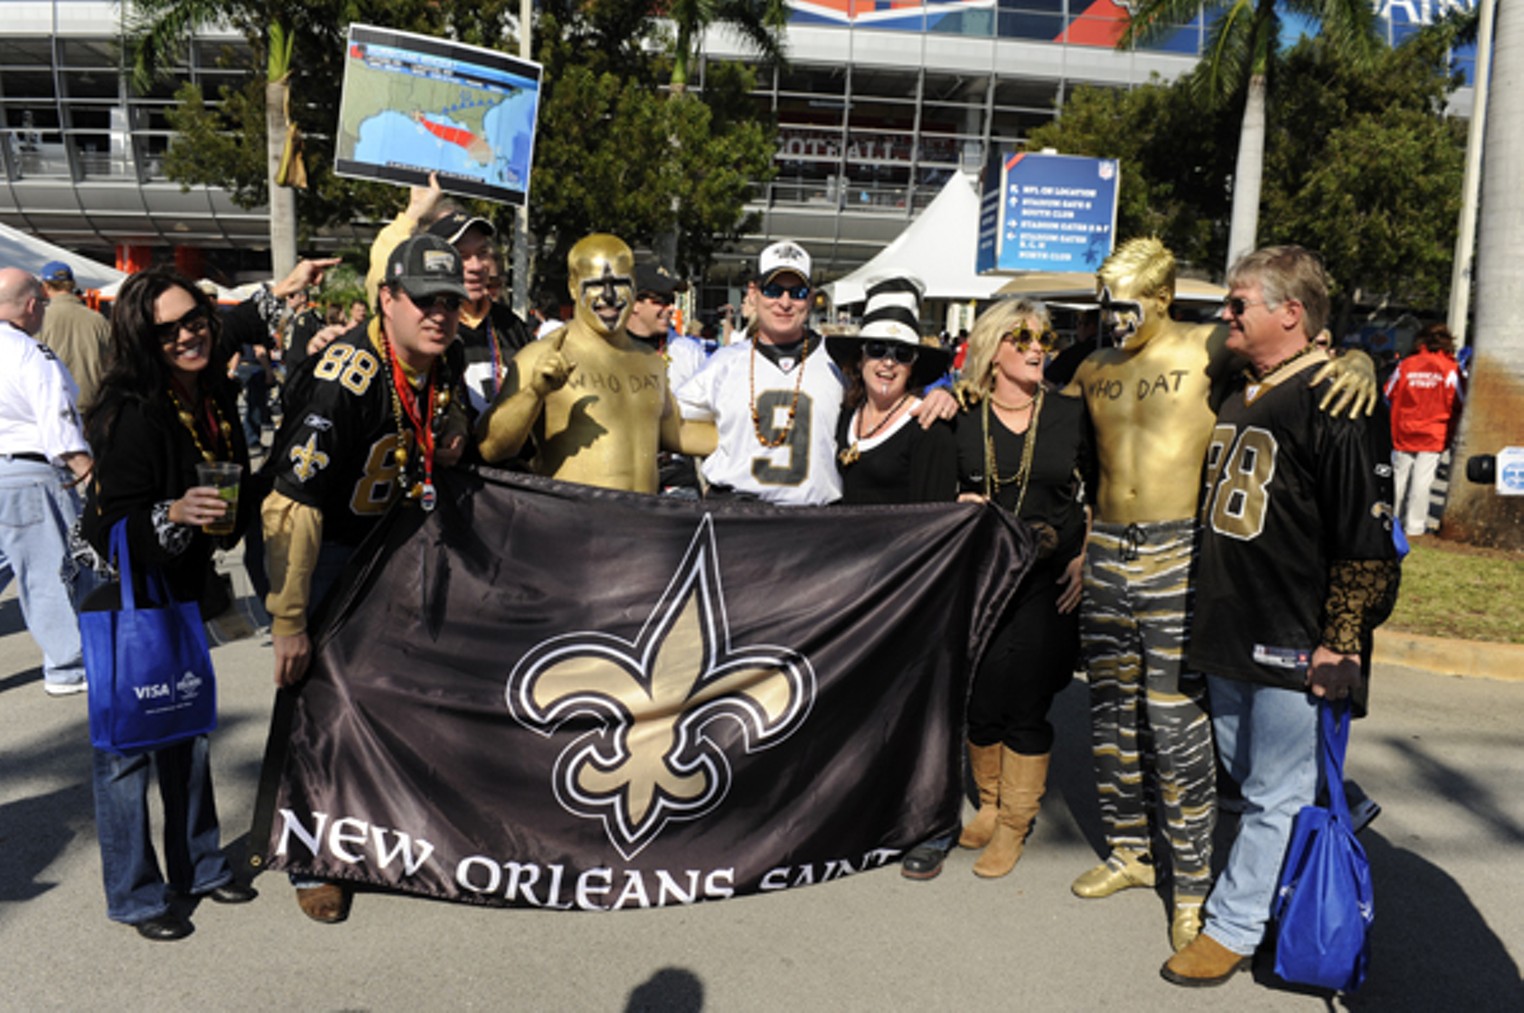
(670,990)
(33,833)
(1431,947)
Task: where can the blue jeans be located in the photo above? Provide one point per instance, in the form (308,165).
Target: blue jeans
(36,513)
(193,859)
(1267,738)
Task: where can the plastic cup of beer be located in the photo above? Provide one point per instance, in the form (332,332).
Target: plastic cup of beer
(224,477)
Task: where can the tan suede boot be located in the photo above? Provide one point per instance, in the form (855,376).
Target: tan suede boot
(1023,779)
(985,761)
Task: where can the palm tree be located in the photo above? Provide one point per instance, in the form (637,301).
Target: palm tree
(159,29)
(1495,404)
(759,23)
(1242,49)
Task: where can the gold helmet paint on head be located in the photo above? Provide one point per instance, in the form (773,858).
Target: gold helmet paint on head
(602,281)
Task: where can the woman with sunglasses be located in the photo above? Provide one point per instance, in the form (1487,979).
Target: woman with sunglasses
(1025,448)
(165,405)
(884,454)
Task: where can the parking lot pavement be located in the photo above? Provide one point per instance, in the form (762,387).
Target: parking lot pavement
(1444,757)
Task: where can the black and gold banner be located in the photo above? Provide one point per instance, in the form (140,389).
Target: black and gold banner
(548,695)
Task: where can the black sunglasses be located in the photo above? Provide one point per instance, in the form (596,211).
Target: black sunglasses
(195,321)
(903,354)
(1022,336)
(773,290)
(447,301)
(1236,304)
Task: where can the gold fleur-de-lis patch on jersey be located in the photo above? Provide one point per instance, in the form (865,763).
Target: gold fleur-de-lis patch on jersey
(309,460)
(661,712)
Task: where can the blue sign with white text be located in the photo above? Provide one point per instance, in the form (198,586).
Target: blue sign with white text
(1047,212)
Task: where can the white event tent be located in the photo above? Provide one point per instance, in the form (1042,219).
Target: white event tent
(17,249)
(938,247)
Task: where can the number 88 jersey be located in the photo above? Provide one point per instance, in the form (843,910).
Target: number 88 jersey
(1289,490)
(336,447)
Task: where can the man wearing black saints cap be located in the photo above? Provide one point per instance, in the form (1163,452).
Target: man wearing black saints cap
(370,419)
(490,333)
(650,323)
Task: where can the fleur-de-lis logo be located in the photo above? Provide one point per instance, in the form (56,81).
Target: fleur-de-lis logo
(658,706)
(309,460)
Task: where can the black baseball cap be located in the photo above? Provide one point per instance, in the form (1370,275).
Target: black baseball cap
(656,278)
(425,266)
(455,224)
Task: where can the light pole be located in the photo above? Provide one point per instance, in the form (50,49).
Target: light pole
(521,215)
(1465,238)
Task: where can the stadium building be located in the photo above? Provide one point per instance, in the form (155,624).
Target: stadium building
(881,102)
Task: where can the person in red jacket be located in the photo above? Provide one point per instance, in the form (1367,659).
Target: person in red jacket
(1425,394)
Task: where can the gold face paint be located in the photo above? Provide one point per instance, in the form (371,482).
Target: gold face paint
(598,401)
(1148,390)
(1130,317)
(601,282)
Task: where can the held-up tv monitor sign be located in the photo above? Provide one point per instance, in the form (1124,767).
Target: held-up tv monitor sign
(1046,212)
(413,105)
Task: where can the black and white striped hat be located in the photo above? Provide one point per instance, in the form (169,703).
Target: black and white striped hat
(893,315)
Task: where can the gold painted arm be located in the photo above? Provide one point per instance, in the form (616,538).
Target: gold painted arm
(1354,391)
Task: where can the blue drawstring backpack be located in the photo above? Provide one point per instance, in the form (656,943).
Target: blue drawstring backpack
(1325,905)
(149,670)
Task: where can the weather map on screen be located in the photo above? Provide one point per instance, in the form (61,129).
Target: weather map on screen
(413,105)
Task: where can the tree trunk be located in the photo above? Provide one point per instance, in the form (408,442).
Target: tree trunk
(282,198)
(1494,413)
(1247,172)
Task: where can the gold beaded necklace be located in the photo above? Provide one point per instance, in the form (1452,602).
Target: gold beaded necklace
(425,424)
(852,455)
(188,420)
(1013,407)
(793,407)
(992,479)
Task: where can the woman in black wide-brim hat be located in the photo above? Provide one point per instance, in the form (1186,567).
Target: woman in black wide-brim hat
(884,453)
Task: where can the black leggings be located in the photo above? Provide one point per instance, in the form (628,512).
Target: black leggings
(1029,660)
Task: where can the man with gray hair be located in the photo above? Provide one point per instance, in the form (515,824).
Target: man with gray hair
(1296,568)
(40,440)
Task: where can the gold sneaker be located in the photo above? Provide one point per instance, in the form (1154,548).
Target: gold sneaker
(1122,870)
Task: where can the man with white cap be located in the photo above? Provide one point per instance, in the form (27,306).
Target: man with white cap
(774,398)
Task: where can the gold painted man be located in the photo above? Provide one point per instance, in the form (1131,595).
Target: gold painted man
(595,401)
(1152,397)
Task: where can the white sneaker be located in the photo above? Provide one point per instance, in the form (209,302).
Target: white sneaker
(64,688)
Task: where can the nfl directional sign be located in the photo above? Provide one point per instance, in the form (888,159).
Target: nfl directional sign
(1046,213)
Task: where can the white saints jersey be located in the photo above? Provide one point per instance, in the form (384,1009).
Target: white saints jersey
(801,470)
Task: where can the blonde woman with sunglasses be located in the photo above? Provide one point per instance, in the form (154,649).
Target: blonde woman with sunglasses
(1024,448)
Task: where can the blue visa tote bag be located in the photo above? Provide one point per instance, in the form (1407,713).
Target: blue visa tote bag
(147,664)
(1325,905)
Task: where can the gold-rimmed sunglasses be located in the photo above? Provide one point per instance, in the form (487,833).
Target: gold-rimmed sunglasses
(1021,337)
